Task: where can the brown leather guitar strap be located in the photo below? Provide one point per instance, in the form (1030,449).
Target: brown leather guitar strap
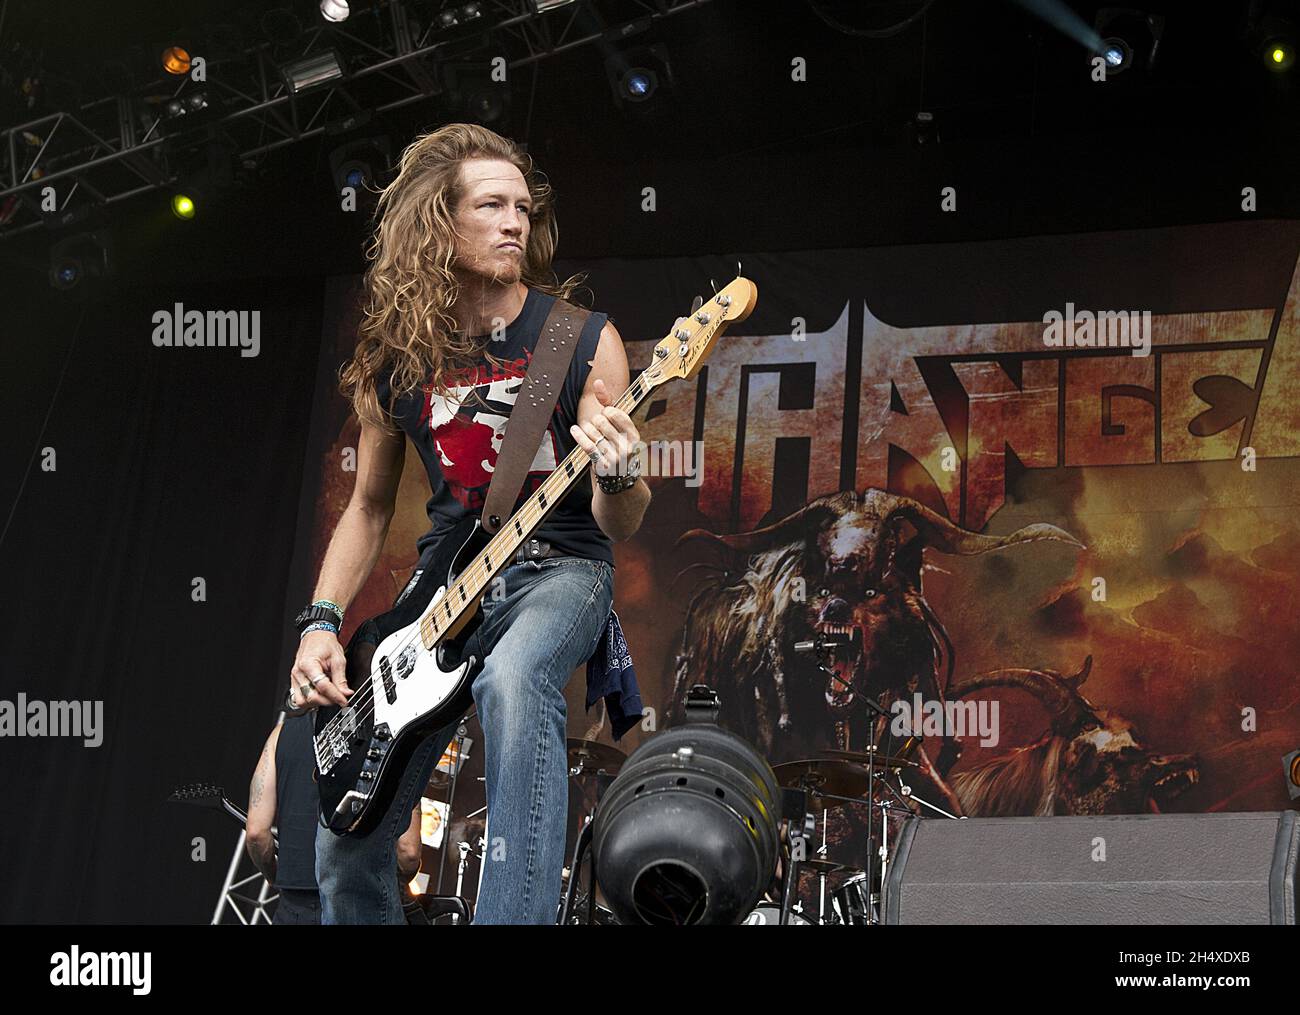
(532,410)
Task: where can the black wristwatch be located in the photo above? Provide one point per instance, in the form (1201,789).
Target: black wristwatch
(312,614)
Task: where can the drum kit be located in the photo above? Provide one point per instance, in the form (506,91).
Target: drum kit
(837,781)
(848,894)
(834,785)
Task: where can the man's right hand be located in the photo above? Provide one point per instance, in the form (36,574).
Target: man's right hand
(319,674)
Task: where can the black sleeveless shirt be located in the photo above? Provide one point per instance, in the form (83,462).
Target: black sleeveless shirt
(458,437)
(296,804)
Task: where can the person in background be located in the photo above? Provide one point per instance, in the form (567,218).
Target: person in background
(283,795)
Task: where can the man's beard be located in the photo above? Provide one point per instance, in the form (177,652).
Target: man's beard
(494,271)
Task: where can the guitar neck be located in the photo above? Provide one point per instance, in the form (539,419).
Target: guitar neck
(472,582)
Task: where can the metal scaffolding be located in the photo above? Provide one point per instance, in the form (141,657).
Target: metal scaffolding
(391,54)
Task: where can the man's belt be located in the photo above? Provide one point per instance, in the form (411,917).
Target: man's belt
(536,549)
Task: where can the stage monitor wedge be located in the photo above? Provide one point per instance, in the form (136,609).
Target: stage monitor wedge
(1149,869)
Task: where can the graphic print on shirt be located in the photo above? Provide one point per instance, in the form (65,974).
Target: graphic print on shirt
(467,432)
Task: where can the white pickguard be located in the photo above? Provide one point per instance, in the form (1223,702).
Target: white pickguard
(425,686)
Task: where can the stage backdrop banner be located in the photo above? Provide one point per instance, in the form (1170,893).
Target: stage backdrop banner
(1038,498)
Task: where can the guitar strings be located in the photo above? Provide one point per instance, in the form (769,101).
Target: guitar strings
(354,712)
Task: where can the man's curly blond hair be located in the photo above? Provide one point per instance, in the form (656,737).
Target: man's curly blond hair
(410,285)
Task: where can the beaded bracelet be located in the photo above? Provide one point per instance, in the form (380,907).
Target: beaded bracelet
(320,625)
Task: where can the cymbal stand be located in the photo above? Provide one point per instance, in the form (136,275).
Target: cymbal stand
(461,731)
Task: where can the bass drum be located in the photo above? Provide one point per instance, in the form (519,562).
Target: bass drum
(852,902)
(769,914)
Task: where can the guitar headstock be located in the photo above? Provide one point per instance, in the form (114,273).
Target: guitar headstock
(682,352)
(202,794)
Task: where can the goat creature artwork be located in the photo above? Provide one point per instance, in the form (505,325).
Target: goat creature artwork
(1090,761)
(847,569)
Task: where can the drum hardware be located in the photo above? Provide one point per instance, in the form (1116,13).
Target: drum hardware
(894,761)
(466,851)
(450,785)
(800,826)
(587,760)
(769,914)
(855,903)
(586,757)
(825,780)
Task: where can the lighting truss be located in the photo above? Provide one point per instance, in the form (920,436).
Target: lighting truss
(118,146)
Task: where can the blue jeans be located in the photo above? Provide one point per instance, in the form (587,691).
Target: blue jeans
(546,621)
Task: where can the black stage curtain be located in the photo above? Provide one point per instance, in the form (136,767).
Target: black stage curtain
(172,464)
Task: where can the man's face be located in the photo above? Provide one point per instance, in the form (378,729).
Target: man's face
(492,220)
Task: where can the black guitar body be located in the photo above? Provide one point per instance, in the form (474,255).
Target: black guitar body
(406,692)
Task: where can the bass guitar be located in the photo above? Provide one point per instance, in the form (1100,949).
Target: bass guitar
(409,667)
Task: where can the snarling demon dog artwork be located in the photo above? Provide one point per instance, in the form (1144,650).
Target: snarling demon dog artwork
(821,610)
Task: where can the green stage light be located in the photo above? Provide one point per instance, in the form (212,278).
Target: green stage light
(182,206)
(1279,55)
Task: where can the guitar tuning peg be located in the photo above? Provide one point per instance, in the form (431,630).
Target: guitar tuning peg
(697,303)
(738,271)
(713,286)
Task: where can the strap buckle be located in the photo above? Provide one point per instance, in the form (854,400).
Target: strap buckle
(533,549)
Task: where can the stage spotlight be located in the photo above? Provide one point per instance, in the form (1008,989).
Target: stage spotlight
(1272,38)
(1118,55)
(334,10)
(78,261)
(176,60)
(186,105)
(183,206)
(1279,55)
(471,93)
(639,84)
(923,131)
(1130,38)
(312,71)
(688,831)
(361,164)
(1291,766)
(637,75)
(452,17)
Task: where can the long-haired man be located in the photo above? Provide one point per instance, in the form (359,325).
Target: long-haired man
(459,284)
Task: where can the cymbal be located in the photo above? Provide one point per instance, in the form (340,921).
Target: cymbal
(592,757)
(880,760)
(830,775)
(820,866)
